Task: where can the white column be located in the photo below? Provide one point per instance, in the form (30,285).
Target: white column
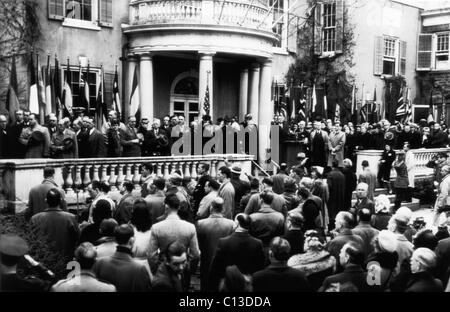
(266,109)
(146,85)
(253,91)
(132,64)
(206,78)
(243,94)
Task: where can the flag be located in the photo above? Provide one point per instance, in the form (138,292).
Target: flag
(67,93)
(12,100)
(206,102)
(337,114)
(353,104)
(116,95)
(401,107)
(102,110)
(48,87)
(293,98)
(282,103)
(300,97)
(84,93)
(375,107)
(431,109)
(362,114)
(314,99)
(325,104)
(134,98)
(87,90)
(33,101)
(408,118)
(41,91)
(57,89)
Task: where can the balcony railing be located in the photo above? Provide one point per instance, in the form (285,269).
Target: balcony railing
(243,13)
(75,175)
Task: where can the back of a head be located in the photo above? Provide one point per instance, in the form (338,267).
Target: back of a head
(355,253)
(267,181)
(172,202)
(226,171)
(129,186)
(306,182)
(213,184)
(254,184)
(346,218)
(217,205)
(234,281)
(101,211)
(303,192)
(49,172)
(280,249)
(267,197)
(296,218)
(105,187)
(54,198)
(85,255)
(174,249)
(289,185)
(425,257)
(364,215)
(283,167)
(108,226)
(140,216)
(425,239)
(123,234)
(160,183)
(244,221)
(365,164)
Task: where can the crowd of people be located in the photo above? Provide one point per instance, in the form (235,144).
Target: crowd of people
(79,138)
(299,230)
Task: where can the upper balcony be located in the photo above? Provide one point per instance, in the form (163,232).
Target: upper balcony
(250,14)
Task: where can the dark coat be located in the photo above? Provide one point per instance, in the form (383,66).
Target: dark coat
(336,186)
(96,147)
(209,231)
(115,148)
(350,186)
(59,229)
(443,260)
(345,236)
(166,281)
(296,239)
(240,249)
(439,139)
(424,282)
(130,149)
(199,191)
(37,197)
(123,271)
(280,278)
(240,189)
(353,274)
(4,144)
(155,145)
(278,182)
(125,209)
(16,149)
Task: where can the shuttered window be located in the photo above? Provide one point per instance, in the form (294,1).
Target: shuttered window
(55,9)
(403,46)
(389,56)
(318,28)
(109,83)
(106,13)
(329,27)
(378,57)
(425,52)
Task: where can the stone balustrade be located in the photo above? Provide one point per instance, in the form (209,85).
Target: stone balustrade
(243,13)
(19,176)
(421,156)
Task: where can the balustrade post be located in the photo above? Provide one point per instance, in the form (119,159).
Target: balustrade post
(69,181)
(213,169)
(194,171)
(113,178)
(104,176)
(166,171)
(78,181)
(95,176)
(173,168)
(187,173)
(120,176)
(136,177)
(128,175)
(159,170)
(87,175)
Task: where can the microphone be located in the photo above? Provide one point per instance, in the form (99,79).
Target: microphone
(40,266)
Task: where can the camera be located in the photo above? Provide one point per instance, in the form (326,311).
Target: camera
(419,223)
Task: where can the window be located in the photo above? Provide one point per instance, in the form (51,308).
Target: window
(87,14)
(279,17)
(389,59)
(329,27)
(442,50)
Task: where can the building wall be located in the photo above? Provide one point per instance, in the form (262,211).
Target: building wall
(373,18)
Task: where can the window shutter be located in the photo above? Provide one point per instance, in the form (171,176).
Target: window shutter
(105,12)
(378,57)
(109,83)
(402,58)
(56,9)
(292,33)
(425,52)
(318,28)
(339,25)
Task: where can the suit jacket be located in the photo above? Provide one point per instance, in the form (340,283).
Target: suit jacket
(335,245)
(58,228)
(123,271)
(240,249)
(125,209)
(130,149)
(336,141)
(57,142)
(266,224)
(35,149)
(115,148)
(155,204)
(16,149)
(240,189)
(371,179)
(353,274)
(227,192)
(424,282)
(278,182)
(443,259)
(96,147)
(4,144)
(209,231)
(280,278)
(325,139)
(154,145)
(37,197)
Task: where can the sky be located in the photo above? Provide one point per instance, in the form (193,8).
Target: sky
(428,4)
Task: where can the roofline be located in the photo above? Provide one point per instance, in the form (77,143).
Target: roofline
(407,4)
(436,11)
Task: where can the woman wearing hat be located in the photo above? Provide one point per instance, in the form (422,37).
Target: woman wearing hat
(316,263)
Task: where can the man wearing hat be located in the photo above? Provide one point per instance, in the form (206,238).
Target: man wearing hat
(64,144)
(398,224)
(279,178)
(12,249)
(36,139)
(301,169)
(240,187)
